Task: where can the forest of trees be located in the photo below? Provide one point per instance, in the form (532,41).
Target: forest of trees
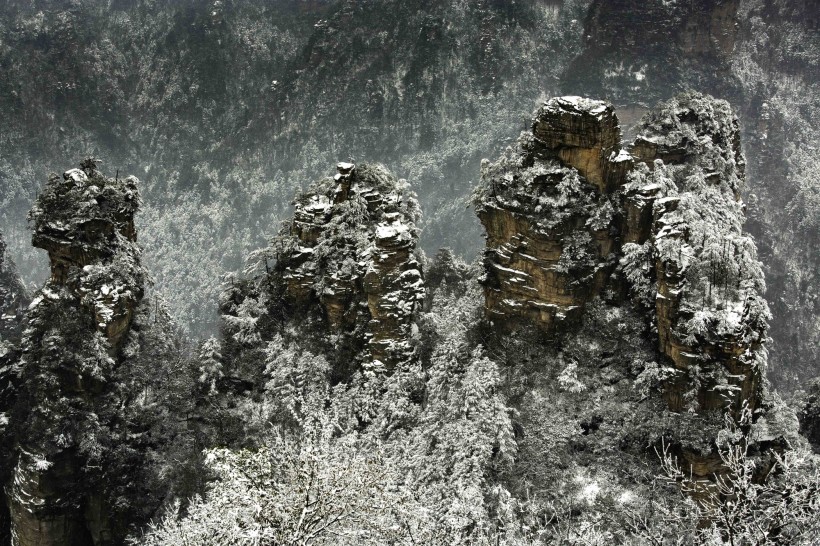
(227,344)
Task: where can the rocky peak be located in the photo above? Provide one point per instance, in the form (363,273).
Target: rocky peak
(548,213)
(710,313)
(71,352)
(585,134)
(568,204)
(350,253)
(697,132)
(85,221)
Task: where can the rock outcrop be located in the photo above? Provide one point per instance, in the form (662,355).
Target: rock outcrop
(71,349)
(584,134)
(350,252)
(548,213)
(86,224)
(711,317)
(568,205)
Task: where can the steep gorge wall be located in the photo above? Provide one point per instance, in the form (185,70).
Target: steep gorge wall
(640,52)
(13,298)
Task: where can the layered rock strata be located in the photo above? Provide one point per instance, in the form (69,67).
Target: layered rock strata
(568,204)
(710,313)
(70,350)
(85,222)
(350,251)
(548,211)
(585,135)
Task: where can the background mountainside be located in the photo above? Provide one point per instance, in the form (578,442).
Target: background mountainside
(225,109)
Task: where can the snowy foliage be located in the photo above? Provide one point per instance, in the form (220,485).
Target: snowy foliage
(738,507)
(637,265)
(697,243)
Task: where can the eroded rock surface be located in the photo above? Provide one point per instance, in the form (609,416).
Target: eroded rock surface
(85,222)
(548,213)
(351,250)
(567,204)
(710,314)
(71,349)
(585,134)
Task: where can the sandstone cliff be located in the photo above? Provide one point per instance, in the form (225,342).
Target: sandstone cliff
(86,224)
(355,257)
(345,268)
(548,213)
(568,205)
(71,349)
(711,315)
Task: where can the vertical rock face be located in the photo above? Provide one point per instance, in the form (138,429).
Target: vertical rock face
(548,211)
(86,224)
(350,251)
(711,317)
(584,134)
(71,347)
(701,27)
(566,206)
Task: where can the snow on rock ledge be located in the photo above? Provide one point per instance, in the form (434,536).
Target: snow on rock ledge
(568,205)
(683,200)
(350,251)
(585,134)
(85,222)
(71,349)
(548,212)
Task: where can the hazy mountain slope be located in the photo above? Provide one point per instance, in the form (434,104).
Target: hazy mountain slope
(225,109)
